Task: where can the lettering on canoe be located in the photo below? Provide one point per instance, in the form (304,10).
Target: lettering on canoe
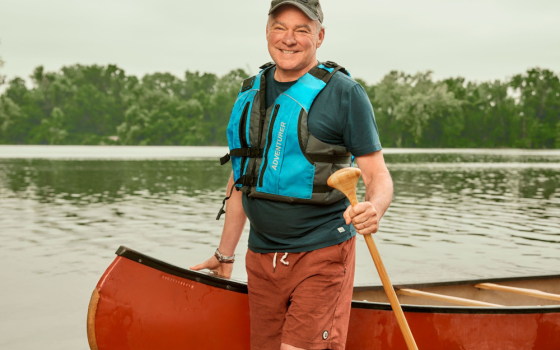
(182,283)
(278,150)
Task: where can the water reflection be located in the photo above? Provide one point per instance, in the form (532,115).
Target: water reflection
(453,215)
(84,182)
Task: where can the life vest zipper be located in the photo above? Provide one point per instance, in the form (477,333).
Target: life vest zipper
(269,142)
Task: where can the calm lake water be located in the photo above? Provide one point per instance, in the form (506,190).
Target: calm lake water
(456,214)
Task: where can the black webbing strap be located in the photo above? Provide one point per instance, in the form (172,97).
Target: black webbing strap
(319,73)
(331,64)
(322,188)
(325,158)
(222,211)
(267,65)
(245,180)
(325,75)
(247,84)
(225,159)
(250,152)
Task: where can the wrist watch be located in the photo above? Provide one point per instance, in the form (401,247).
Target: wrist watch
(224,259)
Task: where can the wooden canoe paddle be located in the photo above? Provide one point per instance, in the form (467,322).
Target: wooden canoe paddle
(345,180)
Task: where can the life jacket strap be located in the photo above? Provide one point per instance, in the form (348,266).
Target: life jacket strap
(322,188)
(222,211)
(225,159)
(267,65)
(331,64)
(247,180)
(249,152)
(247,84)
(325,158)
(325,75)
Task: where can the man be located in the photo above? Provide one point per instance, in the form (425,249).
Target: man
(292,126)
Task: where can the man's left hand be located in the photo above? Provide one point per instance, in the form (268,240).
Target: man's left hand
(364,217)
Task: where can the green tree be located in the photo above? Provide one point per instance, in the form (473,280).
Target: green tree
(539,91)
(93,104)
(10,116)
(490,114)
(416,111)
(53,128)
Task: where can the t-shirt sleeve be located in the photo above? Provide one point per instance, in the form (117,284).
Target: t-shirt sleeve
(360,132)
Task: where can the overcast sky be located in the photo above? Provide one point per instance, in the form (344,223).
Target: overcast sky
(479,40)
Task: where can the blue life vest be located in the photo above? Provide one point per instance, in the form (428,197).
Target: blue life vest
(274,155)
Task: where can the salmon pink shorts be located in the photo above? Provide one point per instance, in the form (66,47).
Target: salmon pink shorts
(301,299)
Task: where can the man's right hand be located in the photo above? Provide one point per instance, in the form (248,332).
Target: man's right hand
(217,268)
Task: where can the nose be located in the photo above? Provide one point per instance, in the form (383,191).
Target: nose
(289,38)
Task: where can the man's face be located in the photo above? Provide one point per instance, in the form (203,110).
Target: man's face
(293,39)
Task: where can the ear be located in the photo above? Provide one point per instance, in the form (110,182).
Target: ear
(321,37)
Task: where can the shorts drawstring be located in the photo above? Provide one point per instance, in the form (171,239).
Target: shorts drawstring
(282,260)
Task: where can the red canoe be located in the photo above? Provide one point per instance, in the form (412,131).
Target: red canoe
(141,303)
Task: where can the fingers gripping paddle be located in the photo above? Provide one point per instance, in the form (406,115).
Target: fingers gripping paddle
(345,180)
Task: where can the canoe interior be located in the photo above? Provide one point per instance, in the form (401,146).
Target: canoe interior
(466,290)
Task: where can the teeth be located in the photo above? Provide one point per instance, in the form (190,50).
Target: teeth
(288,52)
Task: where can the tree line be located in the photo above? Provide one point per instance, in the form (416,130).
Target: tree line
(102,105)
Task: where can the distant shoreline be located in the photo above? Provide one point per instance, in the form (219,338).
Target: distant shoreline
(210,152)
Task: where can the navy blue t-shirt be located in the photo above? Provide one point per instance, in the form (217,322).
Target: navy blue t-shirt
(341,115)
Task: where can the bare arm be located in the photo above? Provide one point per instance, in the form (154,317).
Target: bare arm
(379,193)
(234,223)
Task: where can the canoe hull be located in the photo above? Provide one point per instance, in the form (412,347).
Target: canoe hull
(144,308)
(374,329)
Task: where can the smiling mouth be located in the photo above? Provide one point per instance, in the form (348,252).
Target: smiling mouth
(288,52)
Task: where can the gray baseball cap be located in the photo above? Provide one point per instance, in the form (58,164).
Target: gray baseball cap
(312,8)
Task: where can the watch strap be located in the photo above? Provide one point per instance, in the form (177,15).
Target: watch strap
(224,259)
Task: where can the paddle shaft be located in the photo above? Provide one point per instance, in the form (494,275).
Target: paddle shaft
(395,305)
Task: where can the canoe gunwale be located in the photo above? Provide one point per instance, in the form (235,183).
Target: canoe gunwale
(241,287)
(460,309)
(91,317)
(201,277)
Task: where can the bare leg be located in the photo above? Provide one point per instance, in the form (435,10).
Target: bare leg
(289,347)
